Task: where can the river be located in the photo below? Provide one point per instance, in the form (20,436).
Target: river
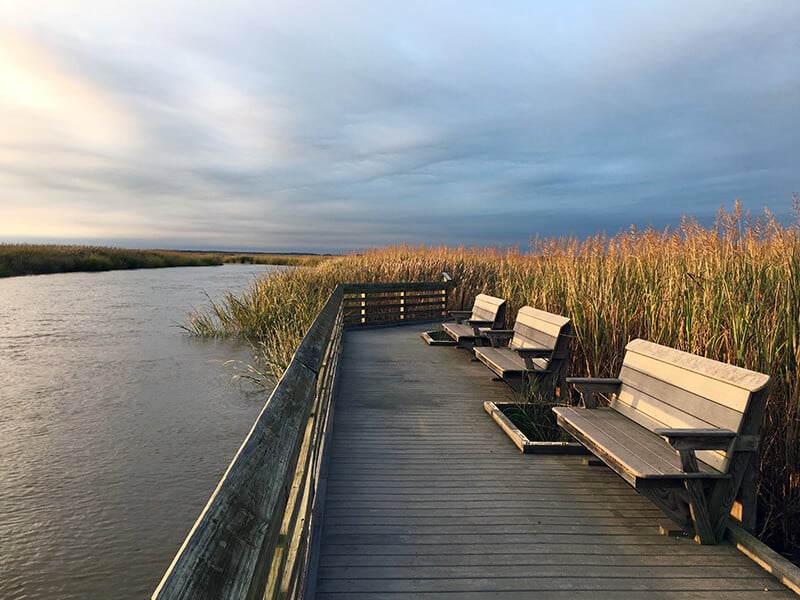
(115,426)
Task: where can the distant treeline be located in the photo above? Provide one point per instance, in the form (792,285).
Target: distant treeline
(293,260)
(34,259)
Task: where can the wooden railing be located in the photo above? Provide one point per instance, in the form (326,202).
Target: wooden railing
(390,303)
(253,539)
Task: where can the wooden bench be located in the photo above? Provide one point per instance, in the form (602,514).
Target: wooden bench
(487,312)
(538,349)
(681,429)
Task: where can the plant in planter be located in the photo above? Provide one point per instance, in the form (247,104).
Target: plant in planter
(536,421)
(530,422)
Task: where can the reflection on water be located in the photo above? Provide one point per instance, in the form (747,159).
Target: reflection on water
(114,426)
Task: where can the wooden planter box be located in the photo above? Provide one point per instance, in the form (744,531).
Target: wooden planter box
(522,442)
(437,338)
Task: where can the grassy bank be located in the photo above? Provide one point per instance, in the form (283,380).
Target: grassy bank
(730,292)
(30,259)
(266,258)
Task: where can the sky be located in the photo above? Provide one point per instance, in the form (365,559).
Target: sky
(333,126)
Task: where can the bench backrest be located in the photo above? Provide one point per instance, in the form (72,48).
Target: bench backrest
(664,387)
(489,308)
(538,328)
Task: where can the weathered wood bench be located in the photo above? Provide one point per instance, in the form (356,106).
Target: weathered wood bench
(487,312)
(681,429)
(538,349)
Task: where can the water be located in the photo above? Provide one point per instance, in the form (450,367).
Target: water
(115,426)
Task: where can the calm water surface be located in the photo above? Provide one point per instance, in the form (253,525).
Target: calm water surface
(115,426)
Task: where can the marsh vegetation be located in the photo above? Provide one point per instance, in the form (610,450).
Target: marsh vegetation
(40,259)
(730,291)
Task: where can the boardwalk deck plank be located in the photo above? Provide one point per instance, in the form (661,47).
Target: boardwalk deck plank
(554,594)
(426,497)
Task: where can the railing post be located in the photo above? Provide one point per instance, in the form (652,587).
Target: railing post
(448,282)
(363,307)
(402,304)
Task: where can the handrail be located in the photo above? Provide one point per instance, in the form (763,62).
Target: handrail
(252,539)
(375,304)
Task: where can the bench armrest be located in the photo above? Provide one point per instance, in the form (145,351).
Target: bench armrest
(687,441)
(528,354)
(498,335)
(697,439)
(501,333)
(477,325)
(460,315)
(587,387)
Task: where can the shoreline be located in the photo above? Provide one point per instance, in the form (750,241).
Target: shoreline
(18,260)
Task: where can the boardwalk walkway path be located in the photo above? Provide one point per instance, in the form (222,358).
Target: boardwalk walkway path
(427,498)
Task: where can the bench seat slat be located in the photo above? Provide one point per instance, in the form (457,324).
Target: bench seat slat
(505,362)
(635,453)
(460,332)
(716,459)
(623,440)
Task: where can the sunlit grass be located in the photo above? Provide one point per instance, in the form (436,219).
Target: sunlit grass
(730,292)
(269,258)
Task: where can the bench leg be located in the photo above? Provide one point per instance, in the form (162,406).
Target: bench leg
(704,524)
(673,502)
(704,529)
(743,486)
(687,506)
(748,495)
(744,480)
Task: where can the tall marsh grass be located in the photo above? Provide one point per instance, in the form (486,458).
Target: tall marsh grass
(34,259)
(39,259)
(730,292)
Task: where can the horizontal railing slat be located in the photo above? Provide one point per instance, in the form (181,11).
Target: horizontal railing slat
(353,288)
(394,302)
(393,294)
(389,303)
(393,316)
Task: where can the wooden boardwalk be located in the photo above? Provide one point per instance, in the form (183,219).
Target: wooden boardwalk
(427,498)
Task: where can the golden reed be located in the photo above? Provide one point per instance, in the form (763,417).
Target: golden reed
(730,291)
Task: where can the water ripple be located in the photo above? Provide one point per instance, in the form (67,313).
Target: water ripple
(114,427)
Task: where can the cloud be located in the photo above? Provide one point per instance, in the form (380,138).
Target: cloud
(269,125)
(41,101)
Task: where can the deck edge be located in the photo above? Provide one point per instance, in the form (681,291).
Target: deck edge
(773,563)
